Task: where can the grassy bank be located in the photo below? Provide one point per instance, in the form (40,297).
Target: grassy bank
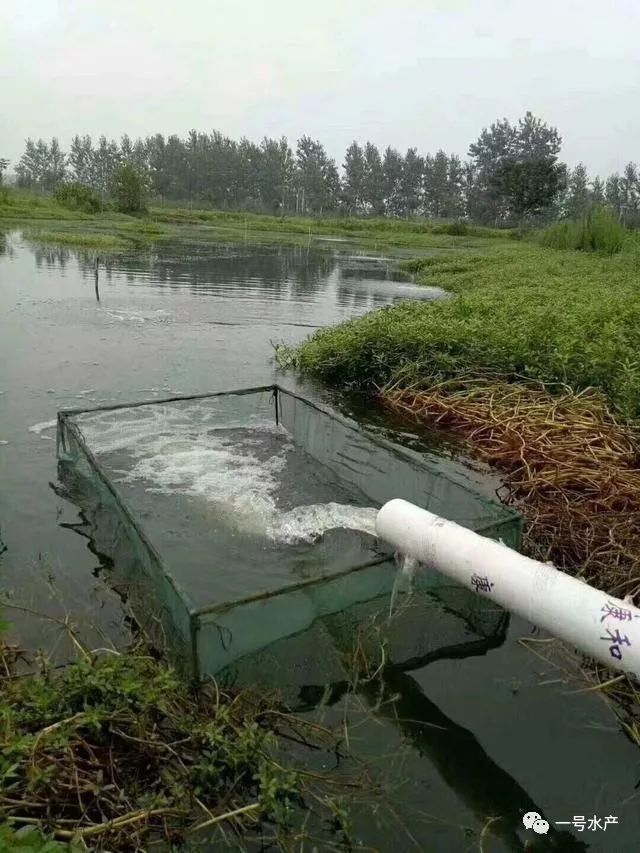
(47,221)
(390,231)
(519,309)
(599,230)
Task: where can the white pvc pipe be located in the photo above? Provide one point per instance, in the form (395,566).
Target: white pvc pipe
(604,627)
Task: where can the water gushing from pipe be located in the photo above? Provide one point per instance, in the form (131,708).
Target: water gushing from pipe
(405,575)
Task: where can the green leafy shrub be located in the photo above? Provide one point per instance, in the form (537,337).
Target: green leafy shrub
(453,229)
(28,839)
(76,196)
(147,757)
(129,189)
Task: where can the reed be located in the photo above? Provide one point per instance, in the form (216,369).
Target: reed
(599,230)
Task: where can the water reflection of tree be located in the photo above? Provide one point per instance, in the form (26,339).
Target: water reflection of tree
(51,256)
(282,270)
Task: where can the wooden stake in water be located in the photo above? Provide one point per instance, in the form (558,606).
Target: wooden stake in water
(97,265)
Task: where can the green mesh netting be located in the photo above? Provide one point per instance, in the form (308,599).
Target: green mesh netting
(240,526)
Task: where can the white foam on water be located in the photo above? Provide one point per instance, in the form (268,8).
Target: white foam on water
(241,488)
(157,315)
(308,523)
(226,474)
(38,429)
(188,450)
(135,429)
(171,456)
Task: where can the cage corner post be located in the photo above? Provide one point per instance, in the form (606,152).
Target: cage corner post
(194,630)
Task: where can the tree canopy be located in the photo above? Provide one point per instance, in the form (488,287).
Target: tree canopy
(512,174)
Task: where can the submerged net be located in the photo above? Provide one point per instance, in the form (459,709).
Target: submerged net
(242,522)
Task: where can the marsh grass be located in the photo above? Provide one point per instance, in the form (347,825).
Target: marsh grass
(192,225)
(331,225)
(21,205)
(519,310)
(76,196)
(599,231)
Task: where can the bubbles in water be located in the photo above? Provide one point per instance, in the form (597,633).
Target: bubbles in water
(134,430)
(158,315)
(307,523)
(226,475)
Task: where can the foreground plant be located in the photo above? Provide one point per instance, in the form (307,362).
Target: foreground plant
(115,752)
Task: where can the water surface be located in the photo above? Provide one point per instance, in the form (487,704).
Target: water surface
(478,729)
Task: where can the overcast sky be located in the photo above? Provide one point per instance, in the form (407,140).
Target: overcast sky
(424,73)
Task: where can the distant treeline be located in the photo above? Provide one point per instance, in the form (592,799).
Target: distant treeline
(512,174)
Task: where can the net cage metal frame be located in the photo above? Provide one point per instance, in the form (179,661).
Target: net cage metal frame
(208,639)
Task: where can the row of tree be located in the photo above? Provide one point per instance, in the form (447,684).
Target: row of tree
(512,173)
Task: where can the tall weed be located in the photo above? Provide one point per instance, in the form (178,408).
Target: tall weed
(598,231)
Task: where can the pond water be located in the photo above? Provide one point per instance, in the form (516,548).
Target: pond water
(481,730)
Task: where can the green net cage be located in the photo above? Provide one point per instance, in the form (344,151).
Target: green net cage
(240,526)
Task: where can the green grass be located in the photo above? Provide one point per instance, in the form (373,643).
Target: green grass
(598,231)
(21,205)
(377,231)
(329,225)
(79,239)
(520,308)
(556,316)
(168,223)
